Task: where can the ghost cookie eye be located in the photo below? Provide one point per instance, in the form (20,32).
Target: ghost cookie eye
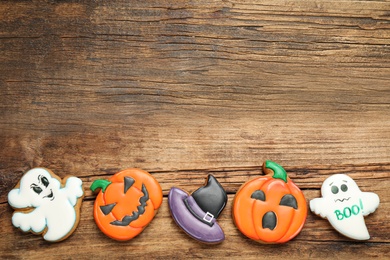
(36,189)
(334,189)
(44,181)
(344,187)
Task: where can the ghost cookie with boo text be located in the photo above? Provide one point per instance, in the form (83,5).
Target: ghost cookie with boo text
(345,205)
(46,205)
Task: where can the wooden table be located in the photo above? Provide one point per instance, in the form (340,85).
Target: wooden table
(183,89)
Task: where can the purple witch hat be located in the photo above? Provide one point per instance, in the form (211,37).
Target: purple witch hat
(196,214)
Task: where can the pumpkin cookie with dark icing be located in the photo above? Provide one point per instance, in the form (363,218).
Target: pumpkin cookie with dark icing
(126,203)
(196,214)
(271,208)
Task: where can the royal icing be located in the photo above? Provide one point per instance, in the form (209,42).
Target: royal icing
(54,211)
(196,214)
(271,208)
(345,206)
(126,203)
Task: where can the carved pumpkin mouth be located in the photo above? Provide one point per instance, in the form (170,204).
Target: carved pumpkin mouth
(269,220)
(127,219)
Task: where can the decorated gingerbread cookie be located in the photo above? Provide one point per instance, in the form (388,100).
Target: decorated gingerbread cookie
(126,203)
(46,205)
(271,208)
(196,214)
(345,206)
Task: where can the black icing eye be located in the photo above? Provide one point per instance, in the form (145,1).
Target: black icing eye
(36,189)
(258,195)
(335,189)
(344,187)
(45,181)
(289,201)
(128,183)
(106,209)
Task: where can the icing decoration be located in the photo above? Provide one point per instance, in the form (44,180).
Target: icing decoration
(196,214)
(43,205)
(345,206)
(126,203)
(271,208)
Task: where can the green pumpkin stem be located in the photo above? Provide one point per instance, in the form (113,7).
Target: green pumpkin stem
(102,184)
(279,172)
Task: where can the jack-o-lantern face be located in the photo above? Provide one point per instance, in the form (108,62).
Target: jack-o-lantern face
(270,209)
(126,203)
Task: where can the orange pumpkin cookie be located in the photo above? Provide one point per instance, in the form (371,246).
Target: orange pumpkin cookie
(126,203)
(271,208)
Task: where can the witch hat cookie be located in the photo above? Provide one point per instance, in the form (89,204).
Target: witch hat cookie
(196,214)
(345,206)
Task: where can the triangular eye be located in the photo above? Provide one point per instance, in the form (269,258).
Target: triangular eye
(289,201)
(128,183)
(106,209)
(258,195)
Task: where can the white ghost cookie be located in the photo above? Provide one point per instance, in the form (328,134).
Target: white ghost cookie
(345,206)
(43,205)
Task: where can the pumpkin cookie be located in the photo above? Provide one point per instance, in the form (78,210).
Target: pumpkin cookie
(271,208)
(126,203)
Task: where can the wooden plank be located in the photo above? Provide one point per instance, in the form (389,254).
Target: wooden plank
(374,176)
(185,89)
(316,240)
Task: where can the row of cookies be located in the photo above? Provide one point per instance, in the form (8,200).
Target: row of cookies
(267,209)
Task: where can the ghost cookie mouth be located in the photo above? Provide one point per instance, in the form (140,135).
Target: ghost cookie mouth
(50,196)
(342,200)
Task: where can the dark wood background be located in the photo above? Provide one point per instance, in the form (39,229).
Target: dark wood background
(186,88)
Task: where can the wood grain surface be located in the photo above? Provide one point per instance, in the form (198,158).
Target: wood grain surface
(187,88)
